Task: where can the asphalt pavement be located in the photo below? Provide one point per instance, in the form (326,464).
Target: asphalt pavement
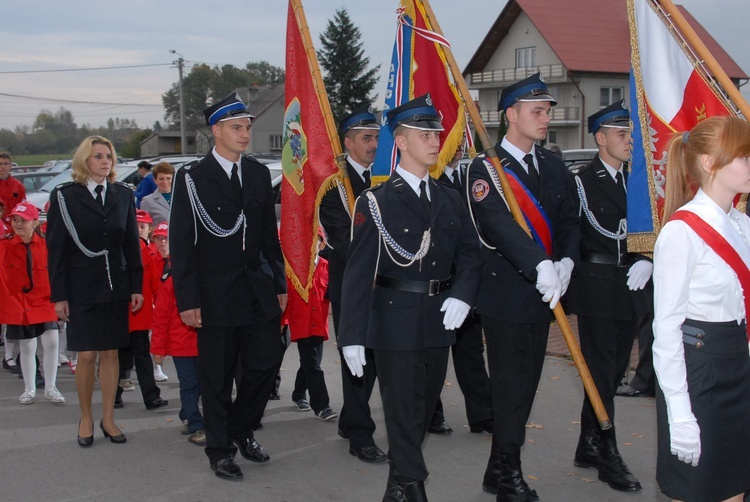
(309,461)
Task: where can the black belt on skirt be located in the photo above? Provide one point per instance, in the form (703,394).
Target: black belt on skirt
(430,288)
(622,260)
(718,338)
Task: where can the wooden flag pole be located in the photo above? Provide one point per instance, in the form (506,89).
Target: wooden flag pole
(325,105)
(562,320)
(702,51)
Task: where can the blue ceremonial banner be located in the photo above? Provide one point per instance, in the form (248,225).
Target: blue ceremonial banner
(640,216)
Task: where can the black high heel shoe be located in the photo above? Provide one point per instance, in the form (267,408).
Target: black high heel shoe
(120,438)
(87,440)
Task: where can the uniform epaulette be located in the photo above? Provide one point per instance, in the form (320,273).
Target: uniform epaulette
(65,185)
(584,168)
(377,187)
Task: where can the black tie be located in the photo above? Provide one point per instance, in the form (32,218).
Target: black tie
(620,181)
(99,189)
(235,179)
(423,194)
(29,267)
(533,173)
(457,178)
(165,271)
(366,176)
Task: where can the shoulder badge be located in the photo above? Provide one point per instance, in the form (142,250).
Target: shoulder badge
(479,190)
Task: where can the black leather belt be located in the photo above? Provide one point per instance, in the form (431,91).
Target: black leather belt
(430,288)
(621,260)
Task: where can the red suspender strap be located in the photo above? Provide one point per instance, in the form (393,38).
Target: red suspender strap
(725,250)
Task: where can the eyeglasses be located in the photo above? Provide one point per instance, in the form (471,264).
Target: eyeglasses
(100,156)
(6,163)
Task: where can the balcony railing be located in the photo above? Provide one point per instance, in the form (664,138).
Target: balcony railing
(551,73)
(561,115)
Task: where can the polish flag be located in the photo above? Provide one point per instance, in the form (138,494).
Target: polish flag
(667,95)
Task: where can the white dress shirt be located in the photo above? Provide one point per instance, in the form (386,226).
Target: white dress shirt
(692,281)
(357,167)
(413,181)
(519,154)
(227,165)
(91,185)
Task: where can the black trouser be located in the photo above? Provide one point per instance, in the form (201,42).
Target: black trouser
(644,379)
(471,372)
(138,352)
(259,353)
(410,384)
(605,346)
(515,352)
(355,420)
(310,376)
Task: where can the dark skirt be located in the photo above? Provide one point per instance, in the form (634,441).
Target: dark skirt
(718,375)
(98,326)
(20,332)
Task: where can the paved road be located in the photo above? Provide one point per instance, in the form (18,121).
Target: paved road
(41,460)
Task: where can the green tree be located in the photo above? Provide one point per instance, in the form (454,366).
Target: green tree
(132,147)
(204,84)
(347,79)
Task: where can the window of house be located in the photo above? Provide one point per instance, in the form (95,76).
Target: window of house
(552,136)
(276,141)
(526,57)
(609,95)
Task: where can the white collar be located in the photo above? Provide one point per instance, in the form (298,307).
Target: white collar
(517,153)
(91,185)
(226,165)
(413,180)
(357,166)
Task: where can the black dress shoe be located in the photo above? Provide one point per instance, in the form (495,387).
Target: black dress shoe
(599,450)
(251,450)
(157,403)
(274,396)
(343,434)
(227,468)
(118,439)
(85,441)
(440,428)
(12,368)
(119,402)
(371,454)
(485,426)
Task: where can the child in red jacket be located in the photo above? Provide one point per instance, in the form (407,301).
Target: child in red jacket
(171,337)
(308,326)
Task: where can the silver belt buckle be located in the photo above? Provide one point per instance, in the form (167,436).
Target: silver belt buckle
(434,288)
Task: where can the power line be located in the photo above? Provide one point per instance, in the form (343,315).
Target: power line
(84,69)
(53,100)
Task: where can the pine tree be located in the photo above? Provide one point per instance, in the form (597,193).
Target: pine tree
(347,79)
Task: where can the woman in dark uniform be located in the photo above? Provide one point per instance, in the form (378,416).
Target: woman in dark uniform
(702,300)
(96,274)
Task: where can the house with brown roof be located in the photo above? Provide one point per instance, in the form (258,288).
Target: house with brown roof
(582,49)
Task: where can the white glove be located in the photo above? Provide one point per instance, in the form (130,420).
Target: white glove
(564,269)
(548,283)
(354,355)
(455,313)
(685,441)
(639,274)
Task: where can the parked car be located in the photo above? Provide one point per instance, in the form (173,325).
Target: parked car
(33,181)
(125,173)
(60,166)
(576,159)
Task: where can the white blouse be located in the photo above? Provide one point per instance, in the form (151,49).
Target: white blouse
(692,281)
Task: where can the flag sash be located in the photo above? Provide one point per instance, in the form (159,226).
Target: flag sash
(722,248)
(533,212)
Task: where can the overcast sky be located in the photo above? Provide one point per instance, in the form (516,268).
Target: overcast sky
(54,35)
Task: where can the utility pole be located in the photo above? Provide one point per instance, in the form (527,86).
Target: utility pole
(183,130)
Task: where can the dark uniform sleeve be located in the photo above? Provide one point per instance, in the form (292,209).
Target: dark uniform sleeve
(359,277)
(497,226)
(131,247)
(468,261)
(182,247)
(336,221)
(270,246)
(57,235)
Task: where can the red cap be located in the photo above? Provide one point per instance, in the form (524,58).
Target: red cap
(161,229)
(142,216)
(26,210)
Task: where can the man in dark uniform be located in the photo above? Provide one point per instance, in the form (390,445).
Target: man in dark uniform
(360,130)
(408,233)
(606,280)
(468,351)
(522,278)
(229,283)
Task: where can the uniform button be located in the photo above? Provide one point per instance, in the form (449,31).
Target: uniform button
(434,264)
(314,309)
(390,302)
(433,244)
(406,230)
(493,274)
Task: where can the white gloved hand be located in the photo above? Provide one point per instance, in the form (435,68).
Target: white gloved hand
(548,283)
(354,355)
(685,441)
(564,269)
(455,313)
(639,274)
